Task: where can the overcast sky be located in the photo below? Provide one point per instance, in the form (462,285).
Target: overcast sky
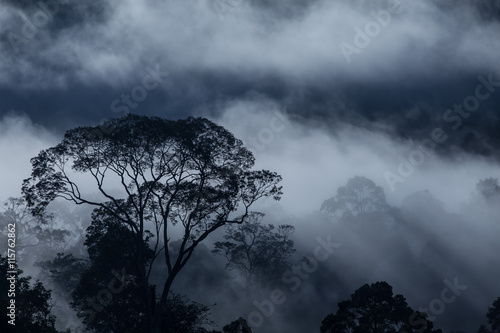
(317,89)
(234,60)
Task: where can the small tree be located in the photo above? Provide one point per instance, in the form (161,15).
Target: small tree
(493,316)
(483,329)
(373,308)
(360,195)
(107,294)
(31,231)
(32,303)
(64,271)
(185,316)
(238,326)
(191,174)
(259,252)
(489,189)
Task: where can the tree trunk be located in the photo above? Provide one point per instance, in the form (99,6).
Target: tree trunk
(160,310)
(149,298)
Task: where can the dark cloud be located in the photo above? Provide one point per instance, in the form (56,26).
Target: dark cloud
(425,60)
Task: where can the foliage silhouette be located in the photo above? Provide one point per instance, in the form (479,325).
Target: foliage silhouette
(32,232)
(359,196)
(259,252)
(493,319)
(489,190)
(64,271)
(32,304)
(238,326)
(493,316)
(373,308)
(113,299)
(107,295)
(191,174)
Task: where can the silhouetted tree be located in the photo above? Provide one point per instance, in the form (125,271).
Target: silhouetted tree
(238,326)
(32,303)
(64,271)
(373,308)
(489,189)
(31,232)
(360,195)
(259,252)
(185,316)
(108,296)
(483,329)
(189,173)
(493,318)
(423,201)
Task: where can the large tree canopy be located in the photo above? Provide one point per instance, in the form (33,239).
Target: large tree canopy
(189,174)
